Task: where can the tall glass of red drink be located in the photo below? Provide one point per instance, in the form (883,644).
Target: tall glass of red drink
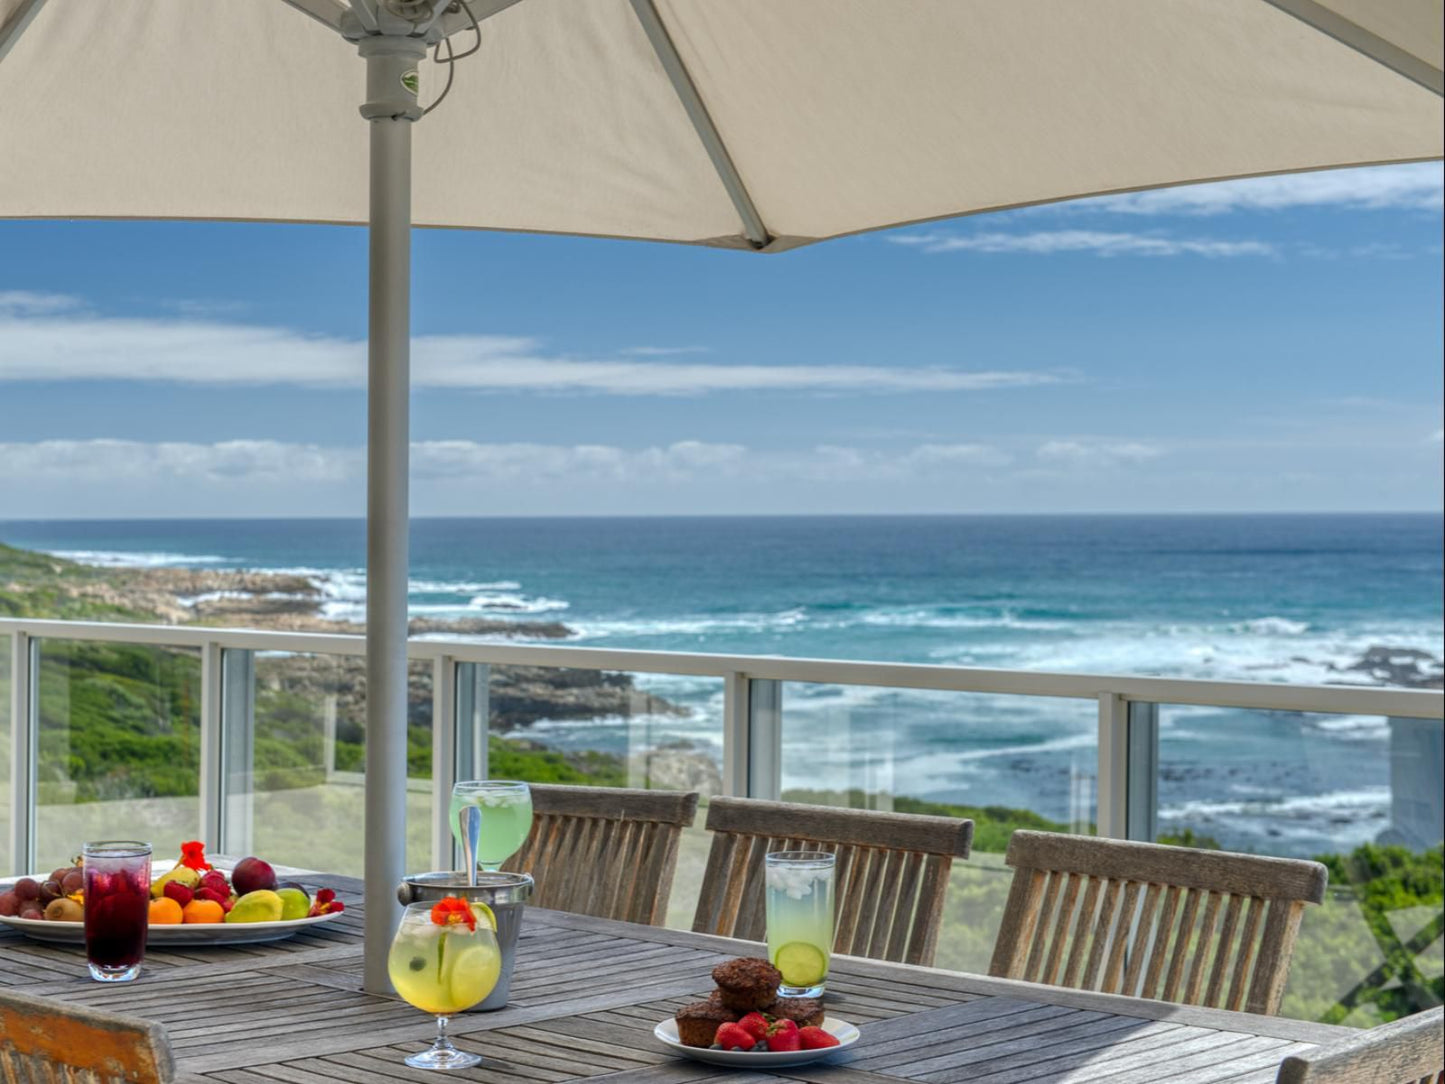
(117,907)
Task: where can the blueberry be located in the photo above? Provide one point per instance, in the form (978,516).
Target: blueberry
(759,1046)
(417,963)
(715,1046)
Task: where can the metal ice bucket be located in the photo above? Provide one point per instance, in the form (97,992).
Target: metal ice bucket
(504,893)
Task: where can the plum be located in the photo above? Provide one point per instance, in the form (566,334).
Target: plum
(50,890)
(27,888)
(253,875)
(73,881)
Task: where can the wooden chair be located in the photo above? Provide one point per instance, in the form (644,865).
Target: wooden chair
(605,851)
(1407,1051)
(59,1043)
(1169,923)
(891,874)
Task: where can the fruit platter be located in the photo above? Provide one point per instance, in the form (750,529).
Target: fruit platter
(743,1023)
(191,903)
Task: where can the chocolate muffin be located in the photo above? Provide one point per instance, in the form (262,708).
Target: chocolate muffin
(697,1023)
(803,1011)
(747,984)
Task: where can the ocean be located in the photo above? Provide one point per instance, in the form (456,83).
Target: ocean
(1261,598)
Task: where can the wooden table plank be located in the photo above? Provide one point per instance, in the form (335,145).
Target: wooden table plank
(588,992)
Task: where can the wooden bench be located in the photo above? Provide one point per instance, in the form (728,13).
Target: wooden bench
(1170,923)
(58,1043)
(891,874)
(605,851)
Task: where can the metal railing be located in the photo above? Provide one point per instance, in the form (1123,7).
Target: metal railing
(1128,734)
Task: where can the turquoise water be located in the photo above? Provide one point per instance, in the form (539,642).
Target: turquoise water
(1267,598)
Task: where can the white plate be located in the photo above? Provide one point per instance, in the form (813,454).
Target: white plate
(196,933)
(844,1032)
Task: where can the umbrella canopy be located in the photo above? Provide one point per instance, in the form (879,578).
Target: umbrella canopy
(751,124)
(818,117)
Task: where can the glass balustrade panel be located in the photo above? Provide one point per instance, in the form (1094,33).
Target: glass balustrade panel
(1363,795)
(610,729)
(118,750)
(7,766)
(296,797)
(1007,762)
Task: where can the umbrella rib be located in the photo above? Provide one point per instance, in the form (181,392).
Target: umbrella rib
(19,19)
(1356,37)
(677,73)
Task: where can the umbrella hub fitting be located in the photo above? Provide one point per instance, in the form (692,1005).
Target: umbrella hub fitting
(391,76)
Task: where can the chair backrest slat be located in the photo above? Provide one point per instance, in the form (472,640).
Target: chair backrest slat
(54,1041)
(889,879)
(606,851)
(1407,1050)
(1237,919)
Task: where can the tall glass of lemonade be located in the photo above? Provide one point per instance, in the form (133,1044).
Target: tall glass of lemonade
(800,919)
(506,807)
(444,959)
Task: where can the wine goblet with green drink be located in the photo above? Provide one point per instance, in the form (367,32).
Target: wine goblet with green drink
(506,808)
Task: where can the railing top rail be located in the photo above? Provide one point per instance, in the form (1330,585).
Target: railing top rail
(1263,696)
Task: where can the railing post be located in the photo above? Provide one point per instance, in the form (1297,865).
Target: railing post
(1113,818)
(736,688)
(24,737)
(473,720)
(752,737)
(444,729)
(238,755)
(212,789)
(462,724)
(765,739)
(1142,790)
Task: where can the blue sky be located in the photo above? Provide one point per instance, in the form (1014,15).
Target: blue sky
(1272,344)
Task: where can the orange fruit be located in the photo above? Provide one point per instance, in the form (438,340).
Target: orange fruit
(205,911)
(165,912)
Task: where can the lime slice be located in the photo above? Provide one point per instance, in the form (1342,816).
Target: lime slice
(801,964)
(470,974)
(485,916)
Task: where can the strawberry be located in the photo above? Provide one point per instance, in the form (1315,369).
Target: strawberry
(783,1037)
(179,892)
(816,1038)
(733,1037)
(211,894)
(216,881)
(755,1024)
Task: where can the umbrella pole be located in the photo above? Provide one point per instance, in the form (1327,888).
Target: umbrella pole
(391,108)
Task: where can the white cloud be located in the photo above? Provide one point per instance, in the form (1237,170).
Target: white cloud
(29,302)
(49,337)
(661,351)
(1099,242)
(122,461)
(265,462)
(1418,186)
(1096,453)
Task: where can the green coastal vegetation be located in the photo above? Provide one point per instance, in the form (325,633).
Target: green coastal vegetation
(121,722)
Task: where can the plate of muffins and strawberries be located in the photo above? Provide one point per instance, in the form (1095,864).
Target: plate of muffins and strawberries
(745,1022)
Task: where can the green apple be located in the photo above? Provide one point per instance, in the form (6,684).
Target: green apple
(295,903)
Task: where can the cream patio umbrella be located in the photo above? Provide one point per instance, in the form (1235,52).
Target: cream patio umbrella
(746,124)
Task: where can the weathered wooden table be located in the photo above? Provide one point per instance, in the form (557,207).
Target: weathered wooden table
(588,992)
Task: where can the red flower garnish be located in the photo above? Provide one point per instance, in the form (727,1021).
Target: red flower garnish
(193,855)
(324,903)
(453,912)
